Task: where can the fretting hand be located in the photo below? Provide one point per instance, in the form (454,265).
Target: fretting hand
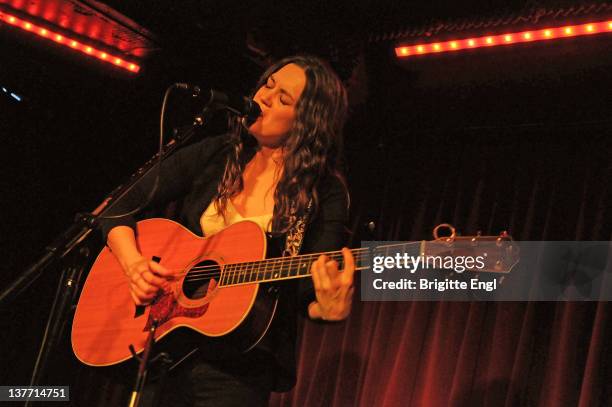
(333,287)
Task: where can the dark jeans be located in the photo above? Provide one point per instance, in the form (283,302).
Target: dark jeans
(240,382)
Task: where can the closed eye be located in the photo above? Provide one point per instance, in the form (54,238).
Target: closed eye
(270,83)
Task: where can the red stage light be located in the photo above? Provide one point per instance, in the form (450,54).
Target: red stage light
(70,42)
(402,51)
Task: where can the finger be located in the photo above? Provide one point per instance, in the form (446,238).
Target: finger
(145,287)
(142,296)
(136,271)
(135,298)
(160,270)
(349,267)
(316,280)
(331,269)
(152,279)
(323,275)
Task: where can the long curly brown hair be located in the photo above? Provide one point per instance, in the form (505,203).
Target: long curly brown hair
(312,150)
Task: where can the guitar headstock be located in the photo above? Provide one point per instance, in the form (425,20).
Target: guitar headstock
(493,254)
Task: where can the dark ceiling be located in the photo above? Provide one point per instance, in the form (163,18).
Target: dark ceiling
(338,30)
(191,37)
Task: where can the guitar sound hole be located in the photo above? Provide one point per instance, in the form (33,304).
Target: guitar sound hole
(201,279)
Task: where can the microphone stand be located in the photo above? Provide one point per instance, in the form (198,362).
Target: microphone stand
(72,238)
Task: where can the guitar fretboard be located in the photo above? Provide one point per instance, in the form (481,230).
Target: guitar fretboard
(284,268)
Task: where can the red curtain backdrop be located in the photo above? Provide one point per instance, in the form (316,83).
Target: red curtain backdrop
(543,184)
(457,354)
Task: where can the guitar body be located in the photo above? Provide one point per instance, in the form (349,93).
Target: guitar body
(107,321)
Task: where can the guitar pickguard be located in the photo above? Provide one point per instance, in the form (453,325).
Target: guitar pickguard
(166,307)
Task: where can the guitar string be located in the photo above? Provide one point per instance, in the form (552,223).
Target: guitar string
(277,264)
(275,268)
(275,261)
(278,267)
(284,260)
(240,273)
(239,276)
(205,276)
(242,269)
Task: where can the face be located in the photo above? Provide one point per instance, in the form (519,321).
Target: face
(277,98)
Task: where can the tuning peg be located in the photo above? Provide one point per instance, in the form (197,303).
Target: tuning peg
(503,236)
(369,228)
(447,226)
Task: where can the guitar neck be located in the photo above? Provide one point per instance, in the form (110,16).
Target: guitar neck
(285,268)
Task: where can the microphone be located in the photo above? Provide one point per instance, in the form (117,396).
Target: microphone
(217,100)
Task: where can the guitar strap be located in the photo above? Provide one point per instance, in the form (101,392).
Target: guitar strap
(295,235)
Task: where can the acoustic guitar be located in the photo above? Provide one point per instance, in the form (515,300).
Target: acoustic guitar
(224,286)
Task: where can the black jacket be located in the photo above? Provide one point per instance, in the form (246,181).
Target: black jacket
(191,176)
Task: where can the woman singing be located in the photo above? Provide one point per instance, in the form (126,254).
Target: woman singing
(284,169)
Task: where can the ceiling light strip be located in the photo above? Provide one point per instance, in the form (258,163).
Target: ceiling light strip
(404,51)
(69,42)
